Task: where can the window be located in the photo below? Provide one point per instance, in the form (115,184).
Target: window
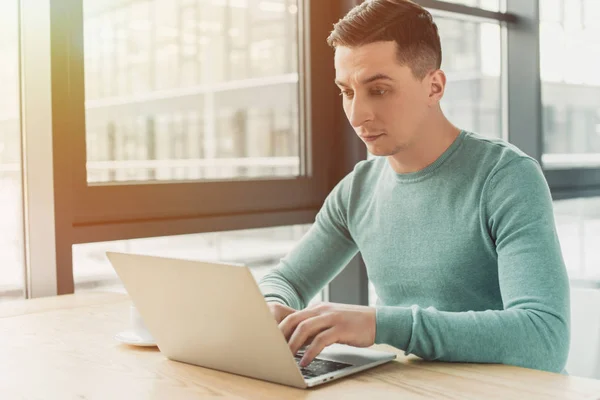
(570,60)
(185,127)
(471,59)
(259,249)
(578,226)
(491,5)
(192,90)
(11,233)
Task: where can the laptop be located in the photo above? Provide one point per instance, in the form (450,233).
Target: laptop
(213,315)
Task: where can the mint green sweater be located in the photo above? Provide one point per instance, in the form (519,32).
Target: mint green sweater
(463,255)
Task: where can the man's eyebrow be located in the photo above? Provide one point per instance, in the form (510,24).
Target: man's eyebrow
(376,77)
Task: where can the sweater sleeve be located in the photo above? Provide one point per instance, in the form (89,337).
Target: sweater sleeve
(532,330)
(319,256)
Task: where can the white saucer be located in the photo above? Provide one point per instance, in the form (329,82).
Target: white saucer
(131,338)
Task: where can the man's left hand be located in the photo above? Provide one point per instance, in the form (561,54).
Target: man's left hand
(328,323)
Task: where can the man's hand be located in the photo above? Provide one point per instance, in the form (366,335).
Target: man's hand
(325,324)
(280,311)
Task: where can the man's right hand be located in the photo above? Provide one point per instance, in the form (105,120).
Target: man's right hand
(280,311)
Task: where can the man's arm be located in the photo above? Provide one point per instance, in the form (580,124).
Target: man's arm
(319,256)
(533,329)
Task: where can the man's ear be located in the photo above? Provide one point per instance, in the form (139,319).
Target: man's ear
(437,86)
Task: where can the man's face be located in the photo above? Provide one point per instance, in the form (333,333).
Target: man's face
(385,104)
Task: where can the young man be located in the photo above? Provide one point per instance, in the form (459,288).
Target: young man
(456,230)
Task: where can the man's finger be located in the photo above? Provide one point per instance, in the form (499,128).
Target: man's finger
(308,328)
(289,323)
(321,341)
(282,314)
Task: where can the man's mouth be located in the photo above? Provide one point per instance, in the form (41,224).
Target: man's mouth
(371,138)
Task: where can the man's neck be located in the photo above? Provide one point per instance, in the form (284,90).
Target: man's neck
(429,145)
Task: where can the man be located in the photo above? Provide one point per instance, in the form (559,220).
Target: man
(456,230)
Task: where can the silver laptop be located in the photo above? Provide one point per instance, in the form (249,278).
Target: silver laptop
(214,315)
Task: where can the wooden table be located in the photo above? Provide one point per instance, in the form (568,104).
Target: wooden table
(63,348)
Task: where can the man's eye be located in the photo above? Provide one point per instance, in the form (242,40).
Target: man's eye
(379,92)
(346,93)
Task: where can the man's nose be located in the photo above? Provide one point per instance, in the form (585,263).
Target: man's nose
(359,112)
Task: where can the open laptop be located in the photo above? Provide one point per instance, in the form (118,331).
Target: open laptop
(214,315)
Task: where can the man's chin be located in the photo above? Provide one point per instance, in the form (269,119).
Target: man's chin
(383,152)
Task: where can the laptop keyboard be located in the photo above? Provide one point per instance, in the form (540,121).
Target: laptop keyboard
(319,366)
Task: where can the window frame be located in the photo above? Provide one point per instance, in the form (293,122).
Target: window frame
(567,182)
(120,204)
(87,213)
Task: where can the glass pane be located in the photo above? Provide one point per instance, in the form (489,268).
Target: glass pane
(570,61)
(11,211)
(191,89)
(578,224)
(491,5)
(259,249)
(471,59)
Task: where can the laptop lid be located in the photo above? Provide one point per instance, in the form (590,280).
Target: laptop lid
(208,314)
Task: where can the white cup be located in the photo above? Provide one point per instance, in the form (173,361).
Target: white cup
(137,325)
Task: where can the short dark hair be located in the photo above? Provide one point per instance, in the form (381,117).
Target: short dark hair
(402,21)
